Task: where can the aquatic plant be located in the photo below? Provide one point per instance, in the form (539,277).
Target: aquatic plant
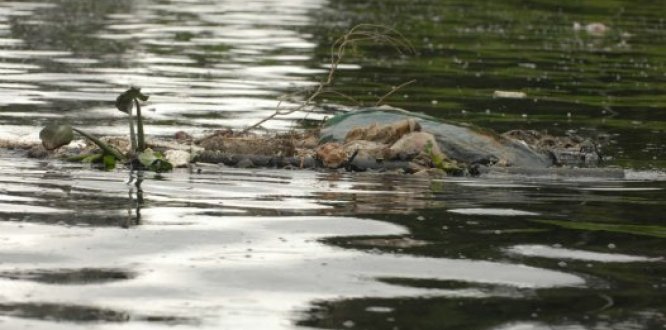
(439,161)
(125,102)
(54,136)
(339,49)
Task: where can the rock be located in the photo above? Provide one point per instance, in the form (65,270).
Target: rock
(245,163)
(366,148)
(177,158)
(180,135)
(386,134)
(332,155)
(38,151)
(414,144)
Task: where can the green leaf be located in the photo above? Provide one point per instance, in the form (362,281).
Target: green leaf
(78,158)
(109,162)
(124,103)
(92,158)
(161,165)
(655,231)
(55,136)
(142,97)
(147,157)
(154,161)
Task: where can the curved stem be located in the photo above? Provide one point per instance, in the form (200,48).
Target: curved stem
(141,144)
(393,90)
(107,148)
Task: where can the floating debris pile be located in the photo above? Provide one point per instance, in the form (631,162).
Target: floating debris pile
(377,138)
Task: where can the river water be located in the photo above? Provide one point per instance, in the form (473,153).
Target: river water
(221,248)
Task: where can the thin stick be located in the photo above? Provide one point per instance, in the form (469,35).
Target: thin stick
(393,90)
(343,95)
(358,33)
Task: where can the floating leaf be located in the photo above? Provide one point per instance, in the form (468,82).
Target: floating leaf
(55,136)
(147,157)
(655,231)
(154,161)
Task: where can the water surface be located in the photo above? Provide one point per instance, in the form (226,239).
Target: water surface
(225,248)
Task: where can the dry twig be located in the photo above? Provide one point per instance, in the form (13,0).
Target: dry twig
(359,33)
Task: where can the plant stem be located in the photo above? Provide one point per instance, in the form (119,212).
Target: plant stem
(107,148)
(139,127)
(131,129)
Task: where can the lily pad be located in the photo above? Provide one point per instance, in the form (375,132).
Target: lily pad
(55,136)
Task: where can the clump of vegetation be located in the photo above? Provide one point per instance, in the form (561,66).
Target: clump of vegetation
(440,162)
(54,136)
(125,102)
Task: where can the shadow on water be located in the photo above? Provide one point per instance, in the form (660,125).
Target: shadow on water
(82,314)
(69,276)
(542,310)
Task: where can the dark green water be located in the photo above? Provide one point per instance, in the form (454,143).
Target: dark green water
(269,249)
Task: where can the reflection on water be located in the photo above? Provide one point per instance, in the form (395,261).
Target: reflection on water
(235,248)
(205,63)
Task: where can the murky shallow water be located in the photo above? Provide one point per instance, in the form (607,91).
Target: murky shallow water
(226,248)
(268,249)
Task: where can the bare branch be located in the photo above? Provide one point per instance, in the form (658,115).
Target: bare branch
(357,34)
(343,95)
(393,90)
